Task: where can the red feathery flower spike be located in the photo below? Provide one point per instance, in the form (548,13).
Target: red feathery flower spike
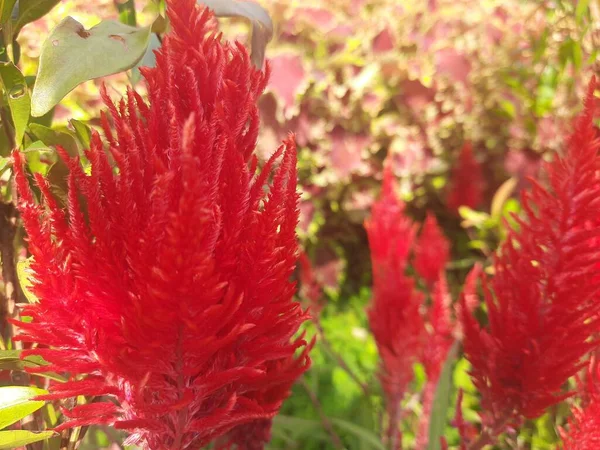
(584,426)
(432,251)
(394,313)
(466,181)
(165,286)
(543,308)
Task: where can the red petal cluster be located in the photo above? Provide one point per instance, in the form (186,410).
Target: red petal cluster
(432,251)
(394,314)
(164,286)
(543,307)
(466,181)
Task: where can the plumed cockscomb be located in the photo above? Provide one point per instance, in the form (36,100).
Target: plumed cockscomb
(432,251)
(543,303)
(164,287)
(466,181)
(394,315)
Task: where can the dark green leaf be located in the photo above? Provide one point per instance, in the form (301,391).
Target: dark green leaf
(441,400)
(15,403)
(6,8)
(18,96)
(19,438)
(127,12)
(52,137)
(71,53)
(83,132)
(30,10)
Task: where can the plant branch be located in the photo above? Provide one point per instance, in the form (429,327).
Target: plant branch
(8,308)
(338,357)
(335,439)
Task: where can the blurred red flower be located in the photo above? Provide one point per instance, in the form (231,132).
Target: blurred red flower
(432,251)
(394,314)
(466,181)
(164,288)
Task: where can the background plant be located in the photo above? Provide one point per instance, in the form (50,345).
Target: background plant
(358,82)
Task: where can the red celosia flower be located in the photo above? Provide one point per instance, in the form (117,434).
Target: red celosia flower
(310,288)
(466,181)
(584,426)
(394,314)
(168,293)
(544,305)
(432,251)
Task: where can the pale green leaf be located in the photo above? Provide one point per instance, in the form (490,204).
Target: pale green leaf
(72,55)
(18,96)
(19,438)
(15,403)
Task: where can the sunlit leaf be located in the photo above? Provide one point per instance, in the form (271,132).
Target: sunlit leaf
(16,403)
(262,26)
(18,97)
(502,195)
(72,55)
(19,438)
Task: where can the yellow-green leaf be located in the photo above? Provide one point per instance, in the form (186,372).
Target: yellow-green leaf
(6,8)
(19,438)
(18,96)
(72,55)
(23,276)
(16,403)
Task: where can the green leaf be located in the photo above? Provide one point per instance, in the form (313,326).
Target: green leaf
(52,137)
(441,400)
(18,96)
(23,276)
(126,12)
(262,26)
(72,55)
(83,132)
(6,8)
(11,360)
(15,403)
(30,10)
(581,10)
(19,438)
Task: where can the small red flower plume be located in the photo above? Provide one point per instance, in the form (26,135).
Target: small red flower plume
(164,286)
(394,313)
(466,181)
(543,306)
(584,426)
(432,251)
